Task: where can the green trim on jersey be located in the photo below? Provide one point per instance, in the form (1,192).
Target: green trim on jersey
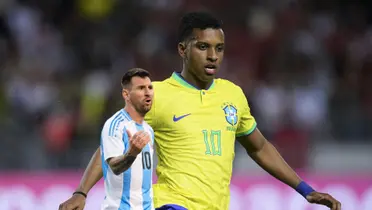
(247,132)
(176,76)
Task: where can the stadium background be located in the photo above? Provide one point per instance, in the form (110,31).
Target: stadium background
(305,66)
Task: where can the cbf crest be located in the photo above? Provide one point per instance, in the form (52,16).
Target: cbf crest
(231,114)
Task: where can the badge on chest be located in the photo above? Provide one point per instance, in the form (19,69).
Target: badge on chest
(231,115)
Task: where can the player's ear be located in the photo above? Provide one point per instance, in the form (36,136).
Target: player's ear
(125,93)
(182,49)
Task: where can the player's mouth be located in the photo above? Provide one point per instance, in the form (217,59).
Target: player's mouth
(210,69)
(148,101)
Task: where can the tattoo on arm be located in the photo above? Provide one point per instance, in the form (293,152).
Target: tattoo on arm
(121,163)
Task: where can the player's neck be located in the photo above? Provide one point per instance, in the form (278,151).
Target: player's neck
(194,81)
(136,117)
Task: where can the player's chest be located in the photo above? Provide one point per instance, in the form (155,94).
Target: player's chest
(185,113)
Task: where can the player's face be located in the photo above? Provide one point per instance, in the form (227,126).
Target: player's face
(205,52)
(140,94)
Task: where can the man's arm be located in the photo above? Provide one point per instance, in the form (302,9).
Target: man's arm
(121,163)
(265,155)
(92,174)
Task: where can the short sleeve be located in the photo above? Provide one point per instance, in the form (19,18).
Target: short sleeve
(113,140)
(247,123)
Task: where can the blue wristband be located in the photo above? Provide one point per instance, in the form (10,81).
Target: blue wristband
(304,189)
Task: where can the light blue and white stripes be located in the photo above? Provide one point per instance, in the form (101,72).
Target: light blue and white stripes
(132,189)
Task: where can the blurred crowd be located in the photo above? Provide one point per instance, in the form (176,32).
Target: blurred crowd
(305,66)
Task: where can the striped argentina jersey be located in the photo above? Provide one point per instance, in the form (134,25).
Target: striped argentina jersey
(132,189)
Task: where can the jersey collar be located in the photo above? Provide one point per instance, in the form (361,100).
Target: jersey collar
(126,114)
(178,78)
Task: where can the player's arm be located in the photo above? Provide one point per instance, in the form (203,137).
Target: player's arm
(92,174)
(259,149)
(266,155)
(121,163)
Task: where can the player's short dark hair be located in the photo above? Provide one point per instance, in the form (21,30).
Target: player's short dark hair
(135,72)
(196,20)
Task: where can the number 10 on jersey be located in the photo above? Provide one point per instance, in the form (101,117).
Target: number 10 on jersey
(212,142)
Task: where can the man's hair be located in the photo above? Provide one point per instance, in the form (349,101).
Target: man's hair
(135,72)
(196,20)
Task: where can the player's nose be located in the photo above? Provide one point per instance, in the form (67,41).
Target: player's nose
(148,92)
(212,55)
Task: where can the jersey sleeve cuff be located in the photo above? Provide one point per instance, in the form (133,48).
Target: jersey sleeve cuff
(246,133)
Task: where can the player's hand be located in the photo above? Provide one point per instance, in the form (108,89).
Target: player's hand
(138,141)
(76,202)
(324,199)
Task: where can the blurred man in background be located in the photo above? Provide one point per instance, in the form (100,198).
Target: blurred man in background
(196,142)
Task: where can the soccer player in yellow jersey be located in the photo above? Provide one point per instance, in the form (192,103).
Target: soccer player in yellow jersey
(196,119)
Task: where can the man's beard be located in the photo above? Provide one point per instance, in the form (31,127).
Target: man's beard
(142,109)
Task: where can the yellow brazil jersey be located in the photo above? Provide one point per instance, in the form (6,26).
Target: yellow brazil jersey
(195,133)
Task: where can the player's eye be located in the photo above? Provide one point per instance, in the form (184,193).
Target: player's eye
(220,48)
(203,46)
